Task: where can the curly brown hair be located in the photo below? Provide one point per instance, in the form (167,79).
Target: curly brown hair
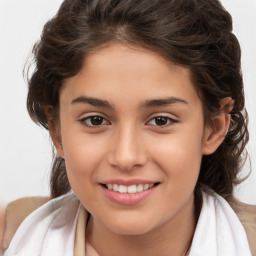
(196,34)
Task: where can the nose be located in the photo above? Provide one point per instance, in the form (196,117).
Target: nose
(127,149)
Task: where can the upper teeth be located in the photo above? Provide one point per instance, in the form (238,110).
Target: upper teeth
(129,189)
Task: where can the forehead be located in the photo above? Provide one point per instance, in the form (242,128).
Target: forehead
(130,73)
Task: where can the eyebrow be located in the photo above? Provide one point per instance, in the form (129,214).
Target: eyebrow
(148,103)
(92,101)
(162,102)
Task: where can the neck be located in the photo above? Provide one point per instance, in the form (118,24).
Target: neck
(171,238)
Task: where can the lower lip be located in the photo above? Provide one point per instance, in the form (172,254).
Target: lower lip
(128,198)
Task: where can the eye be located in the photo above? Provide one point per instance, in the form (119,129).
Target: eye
(94,121)
(162,121)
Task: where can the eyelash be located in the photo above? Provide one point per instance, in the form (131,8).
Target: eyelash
(89,118)
(170,121)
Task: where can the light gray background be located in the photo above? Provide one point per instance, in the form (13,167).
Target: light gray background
(25,151)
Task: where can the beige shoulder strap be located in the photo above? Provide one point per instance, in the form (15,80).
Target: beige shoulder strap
(15,213)
(247,215)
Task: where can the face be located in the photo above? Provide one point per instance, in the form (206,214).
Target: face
(132,135)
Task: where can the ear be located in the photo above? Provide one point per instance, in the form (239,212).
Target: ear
(54,130)
(216,132)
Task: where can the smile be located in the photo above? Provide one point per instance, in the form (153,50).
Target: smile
(129,189)
(129,194)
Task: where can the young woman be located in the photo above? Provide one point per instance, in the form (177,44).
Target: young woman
(144,103)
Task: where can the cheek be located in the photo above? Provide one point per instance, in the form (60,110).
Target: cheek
(83,155)
(179,156)
(180,162)
(82,159)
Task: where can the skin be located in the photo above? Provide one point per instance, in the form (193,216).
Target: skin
(129,144)
(2,227)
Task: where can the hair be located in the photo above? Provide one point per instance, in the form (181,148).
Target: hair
(196,34)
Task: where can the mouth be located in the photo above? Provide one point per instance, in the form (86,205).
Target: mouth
(128,192)
(131,189)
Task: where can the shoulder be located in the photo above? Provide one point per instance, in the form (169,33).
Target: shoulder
(2,227)
(247,216)
(14,214)
(25,233)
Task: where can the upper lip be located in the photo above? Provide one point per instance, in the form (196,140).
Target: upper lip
(128,182)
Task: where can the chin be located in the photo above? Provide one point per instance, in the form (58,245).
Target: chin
(130,227)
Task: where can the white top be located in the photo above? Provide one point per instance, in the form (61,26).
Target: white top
(51,230)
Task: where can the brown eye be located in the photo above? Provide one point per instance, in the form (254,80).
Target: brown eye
(162,121)
(94,121)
